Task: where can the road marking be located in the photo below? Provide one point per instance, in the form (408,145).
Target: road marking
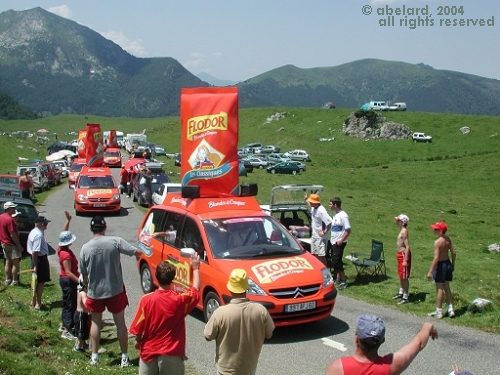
(334,344)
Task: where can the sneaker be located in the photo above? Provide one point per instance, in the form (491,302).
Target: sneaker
(403,301)
(337,281)
(68,335)
(61,328)
(8,281)
(343,285)
(125,362)
(436,314)
(397,296)
(15,282)
(77,348)
(93,362)
(451,313)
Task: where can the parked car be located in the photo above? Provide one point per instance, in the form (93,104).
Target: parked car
(277,158)
(53,173)
(63,166)
(398,107)
(375,106)
(287,205)
(58,146)
(41,181)
(294,286)
(26,218)
(247,165)
(300,155)
(112,157)
(286,167)
(96,190)
(270,149)
(421,137)
(139,184)
(11,183)
(302,166)
(160,151)
(257,162)
(164,189)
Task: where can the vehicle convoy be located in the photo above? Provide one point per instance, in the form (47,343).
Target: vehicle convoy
(136,142)
(234,232)
(96,191)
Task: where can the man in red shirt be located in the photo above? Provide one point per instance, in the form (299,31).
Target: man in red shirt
(159,324)
(370,334)
(12,248)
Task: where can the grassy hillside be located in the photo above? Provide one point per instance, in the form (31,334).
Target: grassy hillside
(453,179)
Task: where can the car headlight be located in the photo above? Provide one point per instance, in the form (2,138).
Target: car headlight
(115,197)
(255,289)
(82,198)
(327,277)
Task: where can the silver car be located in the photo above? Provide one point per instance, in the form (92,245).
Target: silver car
(270,149)
(258,162)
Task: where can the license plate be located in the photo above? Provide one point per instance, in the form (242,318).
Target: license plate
(300,306)
(99,205)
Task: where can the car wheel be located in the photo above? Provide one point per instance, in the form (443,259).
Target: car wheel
(294,172)
(304,160)
(261,167)
(134,198)
(146,279)
(414,141)
(427,141)
(273,171)
(210,304)
(301,170)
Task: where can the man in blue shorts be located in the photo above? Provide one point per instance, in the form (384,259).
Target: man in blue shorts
(441,270)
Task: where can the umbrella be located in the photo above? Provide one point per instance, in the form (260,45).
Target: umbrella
(133,162)
(42,131)
(56,156)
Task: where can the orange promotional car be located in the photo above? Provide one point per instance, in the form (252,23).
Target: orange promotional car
(96,191)
(74,171)
(112,157)
(233,232)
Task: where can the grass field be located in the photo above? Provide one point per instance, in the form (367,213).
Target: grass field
(453,179)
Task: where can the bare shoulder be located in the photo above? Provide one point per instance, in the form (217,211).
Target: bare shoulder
(335,368)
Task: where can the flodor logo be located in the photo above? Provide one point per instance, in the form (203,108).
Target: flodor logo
(200,124)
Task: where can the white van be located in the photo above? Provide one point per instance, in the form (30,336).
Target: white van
(41,181)
(400,106)
(375,106)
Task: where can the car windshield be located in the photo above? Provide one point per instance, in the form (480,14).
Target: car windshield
(112,153)
(249,237)
(26,211)
(96,182)
(76,167)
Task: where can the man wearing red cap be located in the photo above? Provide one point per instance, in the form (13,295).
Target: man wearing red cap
(441,270)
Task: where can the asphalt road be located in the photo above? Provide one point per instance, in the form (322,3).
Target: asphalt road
(305,349)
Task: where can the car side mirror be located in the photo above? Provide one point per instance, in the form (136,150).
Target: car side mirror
(187,251)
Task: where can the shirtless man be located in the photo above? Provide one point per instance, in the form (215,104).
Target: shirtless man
(404,259)
(441,270)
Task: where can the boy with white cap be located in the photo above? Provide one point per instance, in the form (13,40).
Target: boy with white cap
(12,248)
(404,259)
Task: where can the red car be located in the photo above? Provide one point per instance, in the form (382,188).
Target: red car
(74,171)
(112,157)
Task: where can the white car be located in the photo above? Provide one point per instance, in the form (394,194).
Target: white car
(257,162)
(421,137)
(300,155)
(159,195)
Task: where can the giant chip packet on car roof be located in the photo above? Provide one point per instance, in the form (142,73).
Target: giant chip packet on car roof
(209,131)
(111,141)
(82,139)
(94,145)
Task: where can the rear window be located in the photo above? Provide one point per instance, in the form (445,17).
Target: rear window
(112,153)
(76,167)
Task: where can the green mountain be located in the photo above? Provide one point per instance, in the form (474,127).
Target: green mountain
(53,65)
(11,110)
(351,85)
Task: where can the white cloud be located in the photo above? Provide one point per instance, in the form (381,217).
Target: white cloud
(217,54)
(196,60)
(133,47)
(61,10)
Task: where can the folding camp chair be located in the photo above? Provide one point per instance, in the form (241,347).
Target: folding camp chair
(372,266)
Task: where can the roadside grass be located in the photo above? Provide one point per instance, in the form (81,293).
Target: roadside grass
(454,179)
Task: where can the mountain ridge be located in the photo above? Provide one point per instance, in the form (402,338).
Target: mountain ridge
(53,65)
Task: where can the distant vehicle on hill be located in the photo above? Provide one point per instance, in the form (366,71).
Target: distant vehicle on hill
(400,106)
(375,106)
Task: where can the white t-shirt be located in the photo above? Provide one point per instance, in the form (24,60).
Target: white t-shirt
(340,224)
(319,220)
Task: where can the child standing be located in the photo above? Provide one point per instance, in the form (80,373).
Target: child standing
(81,318)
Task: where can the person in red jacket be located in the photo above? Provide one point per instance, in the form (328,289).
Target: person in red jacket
(124,177)
(12,248)
(132,172)
(370,334)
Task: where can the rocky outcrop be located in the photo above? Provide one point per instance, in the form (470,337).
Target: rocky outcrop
(371,125)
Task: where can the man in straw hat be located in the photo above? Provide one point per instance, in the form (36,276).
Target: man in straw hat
(320,226)
(239,329)
(370,334)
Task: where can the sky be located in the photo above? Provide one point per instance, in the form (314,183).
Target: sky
(240,39)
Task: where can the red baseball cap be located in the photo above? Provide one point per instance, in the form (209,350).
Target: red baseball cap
(440,226)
